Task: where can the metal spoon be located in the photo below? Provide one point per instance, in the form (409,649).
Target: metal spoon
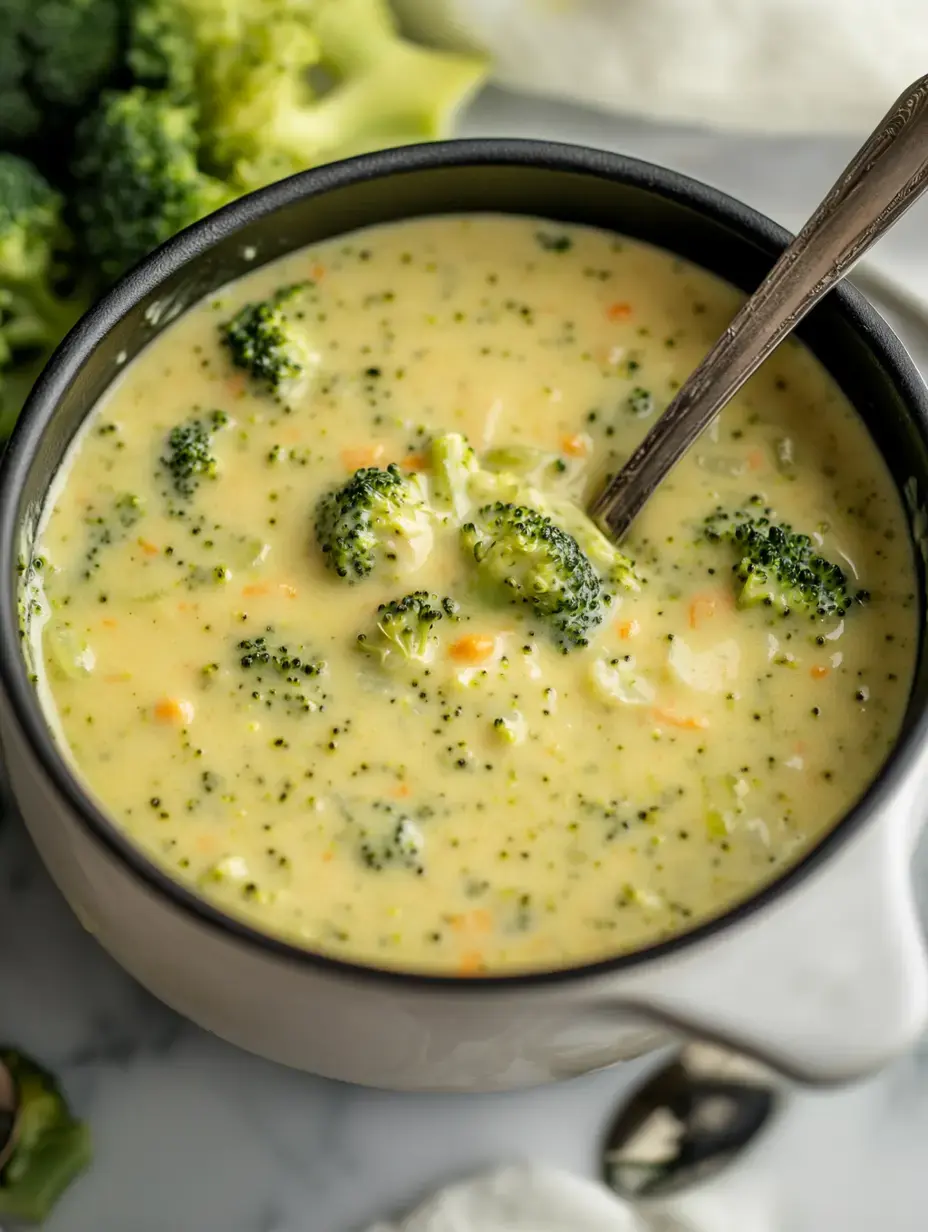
(886,177)
(8,1115)
(687,1122)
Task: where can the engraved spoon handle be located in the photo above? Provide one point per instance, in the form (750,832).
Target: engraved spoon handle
(884,178)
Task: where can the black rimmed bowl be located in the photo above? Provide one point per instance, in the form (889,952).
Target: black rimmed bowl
(821,973)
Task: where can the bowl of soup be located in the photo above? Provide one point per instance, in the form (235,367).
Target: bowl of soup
(346,731)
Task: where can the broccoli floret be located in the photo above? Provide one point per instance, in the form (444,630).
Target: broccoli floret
(405,628)
(188,458)
(54,56)
(250,66)
(530,560)
(137,177)
(389,837)
(33,316)
(286,675)
(266,340)
(378,517)
(51,1147)
(779,568)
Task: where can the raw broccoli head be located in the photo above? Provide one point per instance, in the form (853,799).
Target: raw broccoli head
(33,317)
(54,56)
(249,63)
(268,340)
(137,177)
(285,675)
(405,628)
(377,517)
(779,568)
(188,458)
(529,560)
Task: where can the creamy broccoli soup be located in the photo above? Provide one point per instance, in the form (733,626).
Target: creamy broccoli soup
(325,630)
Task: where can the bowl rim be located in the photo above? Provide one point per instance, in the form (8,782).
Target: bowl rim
(23,704)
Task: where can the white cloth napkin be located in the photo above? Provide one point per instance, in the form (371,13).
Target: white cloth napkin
(538,1198)
(763,65)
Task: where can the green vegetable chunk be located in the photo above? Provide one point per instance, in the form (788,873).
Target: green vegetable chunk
(529,560)
(188,458)
(51,1149)
(282,675)
(779,568)
(268,340)
(377,517)
(405,628)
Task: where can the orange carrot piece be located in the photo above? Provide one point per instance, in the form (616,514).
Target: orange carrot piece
(756,459)
(109,623)
(627,629)
(256,588)
(328,857)
(415,462)
(480,920)
(206,843)
(575,446)
(818,672)
(317,272)
(401,791)
(149,548)
(702,608)
(619,312)
(693,722)
(236,383)
(472,648)
(173,710)
(471,963)
(364,455)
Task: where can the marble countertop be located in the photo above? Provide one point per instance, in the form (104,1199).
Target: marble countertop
(192,1135)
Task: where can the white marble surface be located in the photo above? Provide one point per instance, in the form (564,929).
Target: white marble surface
(194,1136)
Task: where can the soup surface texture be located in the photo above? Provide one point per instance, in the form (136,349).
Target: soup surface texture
(548,759)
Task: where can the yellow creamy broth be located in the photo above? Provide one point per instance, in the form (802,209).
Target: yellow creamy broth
(743,734)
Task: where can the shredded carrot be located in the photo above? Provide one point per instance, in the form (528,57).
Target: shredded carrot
(149,548)
(173,710)
(415,462)
(755,459)
(256,588)
(364,455)
(627,629)
(317,272)
(401,791)
(478,921)
(702,608)
(619,312)
(328,857)
(109,623)
(206,843)
(575,446)
(818,672)
(472,648)
(687,722)
(235,384)
(471,963)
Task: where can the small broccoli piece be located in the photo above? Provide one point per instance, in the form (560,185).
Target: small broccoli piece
(405,628)
(389,837)
(286,675)
(51,1147)
(376,517)
(33,316)
(189,459)
(453,465)
(54,56)
(137,177)
(530,560)
(779,568)
(266,340)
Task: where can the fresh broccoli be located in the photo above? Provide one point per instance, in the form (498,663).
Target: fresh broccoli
(137,177)
(405,628)
(779,568)
(252,67)
(33,316)
(286,675)
(266,339)
(50,1148)
(189,459)
(530,560)
(54,56)
(377,516)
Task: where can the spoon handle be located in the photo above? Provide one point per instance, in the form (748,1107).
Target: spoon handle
(884,178)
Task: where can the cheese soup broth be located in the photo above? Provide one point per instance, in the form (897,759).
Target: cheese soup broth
(504,805)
